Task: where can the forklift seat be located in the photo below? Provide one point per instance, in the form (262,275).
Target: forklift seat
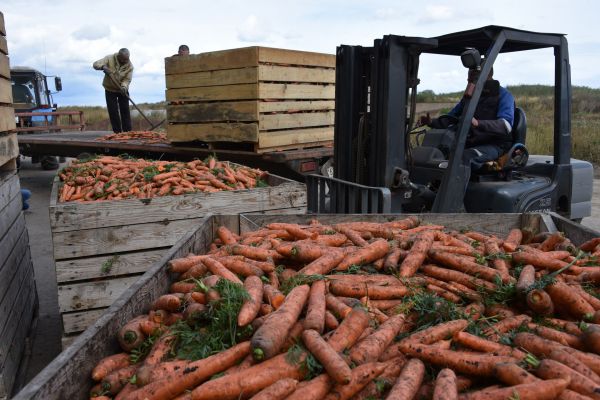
(517,155)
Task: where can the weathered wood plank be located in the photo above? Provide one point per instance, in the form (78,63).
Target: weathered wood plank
(80,321)
(3,45)
(278,73)
(292,106)
(230,111)
(215,60)
(7,119)
(116,239)
(2,26)
(106,266)
(4,66)
(295,136)
(9,148)
(247,91)
(67,376)
(5,91)
(10,239)
(9,214)
(213,78)
(10,278)
(577,233)
(9,188)
(295,57)
(295,91)
(295,120)
(213,132)
(75,217)
(86,295)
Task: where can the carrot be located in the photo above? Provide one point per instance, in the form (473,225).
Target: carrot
(542,390)
(181,265)
(365,255)
(574,363)
(270,337)
(331,321)
(167,302)
(358,290)
(463,362)
(496,330)
(238,266)
(590,245)
(382,304)
(255,253)
(273,296)
(408,383)
(538,260)
(590,359)
(513,240)
(384,382)
(436,332)
(539,301)
(443,293)
(499,311)
(550,369)
(251,380)
(361,377)
(447,275)
(526,279)
(315,389)
(130,335)
(149,373)
(336,306)
(417,254)
(277,391)
(114,382)
(194,311)
(566,299)
(486,346)
(348,332)
(493,250)
(293,336)
(110,364)
(391,261)
(182,287)
(552,241)
(315,312)
(371,348)
(333,363)
(219,269)
(196,372)
(352,235)
(324,263)
(251,306)
(591,338)
(511,374)
(126,391)
(445,385)
(464,265)
(160,349)
(592,300)
(304,251)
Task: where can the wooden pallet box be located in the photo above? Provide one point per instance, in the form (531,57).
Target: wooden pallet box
(9,148)
(102,248)
(270,98)
(68,375)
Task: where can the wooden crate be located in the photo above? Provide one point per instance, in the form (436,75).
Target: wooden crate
(68,375)
(9,148)
(272,98)
(101,248)
(18,296)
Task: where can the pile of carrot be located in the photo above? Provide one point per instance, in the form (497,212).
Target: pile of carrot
(113,178)
(139,136)
(362,310)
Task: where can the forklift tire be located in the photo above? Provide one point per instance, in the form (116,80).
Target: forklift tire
(49,163)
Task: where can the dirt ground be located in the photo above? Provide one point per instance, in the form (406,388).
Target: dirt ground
(46,342)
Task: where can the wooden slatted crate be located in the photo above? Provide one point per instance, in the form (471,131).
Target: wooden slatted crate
(101,248)
(18,296)
(272,99)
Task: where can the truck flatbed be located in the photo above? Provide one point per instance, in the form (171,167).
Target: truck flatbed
(72,144)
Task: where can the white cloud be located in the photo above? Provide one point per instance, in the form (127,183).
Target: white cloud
(252,30)
(437,13)
(385,13)
(92,32)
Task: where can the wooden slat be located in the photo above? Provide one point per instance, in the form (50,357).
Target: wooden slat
(212,93)
(4,67)
(10,239)
(7,119)
(224,59)
(578,234)
(230,111)
(291,105)
(67,376)
(295,91)
(294,136)
(278,73)
(9,214)
(295,57)
(213,132)
(2,27)
(8,273)
(5,91)
(79,217)
(213,78)
(295,120)
(9,188)
(80,321)
(9,148)
(3,45)
(106,266)
(93,242)
(83,296)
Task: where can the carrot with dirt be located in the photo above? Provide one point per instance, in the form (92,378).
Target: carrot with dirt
(358,290)
(408,383)
(552,241)
(324,264)
(226,236)
(526,279)
(150,373)
(470,341)
(277,391)
(130,335)
(238,266)
(183,287)
(301,251)
(270,337)
(492,249)
(109,364)
(116,380)
(574,363)
(365,255)
(361,377)
(466,266)
(448,275)
(181,265)
(501,327)
(350,329)
(538,260)
(371,348)
(541,390)
(254,253)
(251,306)
(331,321)
(336,306)
(551,369)
(513,240)
(416,255)
(315,310)
(331,360)
(383,382)
(273,296)
(436,332)
(540,302)
(591,338)
(568,300)
(219,269)
(167,302)
(352,235)
(445,386)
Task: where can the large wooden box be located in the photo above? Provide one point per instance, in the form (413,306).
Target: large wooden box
(271,99)
(9,148)
(102,248)
(68,376)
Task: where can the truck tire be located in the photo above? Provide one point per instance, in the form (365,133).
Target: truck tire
(49,163)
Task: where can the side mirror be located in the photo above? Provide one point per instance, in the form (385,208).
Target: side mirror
(471,59)
(58,83)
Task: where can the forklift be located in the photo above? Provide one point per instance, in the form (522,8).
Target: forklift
(382,164)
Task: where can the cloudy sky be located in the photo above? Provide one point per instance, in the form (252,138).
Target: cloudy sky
(64,37)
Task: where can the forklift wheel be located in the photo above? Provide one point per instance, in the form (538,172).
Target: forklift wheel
(49,163)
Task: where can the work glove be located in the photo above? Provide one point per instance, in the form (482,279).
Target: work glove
(123,90)
(105,69)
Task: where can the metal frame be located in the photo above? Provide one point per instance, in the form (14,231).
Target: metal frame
(335,196)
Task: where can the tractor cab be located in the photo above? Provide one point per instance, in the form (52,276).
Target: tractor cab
(32,95)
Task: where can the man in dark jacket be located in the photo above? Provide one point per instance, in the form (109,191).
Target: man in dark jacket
(118,72)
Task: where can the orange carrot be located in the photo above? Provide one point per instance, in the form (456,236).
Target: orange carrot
(417,254)
(384,382)
(150,373)
(331,321)
(550,370)
(168,302)
(408,383)
(336,306)
(538,260)
(464,265)
(365,255)
(541,390)
(353,236)
(574,363)
(277,391)
(324,263)
(219,269)
(273,296)
(238,266)
(513,240)
(116,380)
(358,290)
(447,275)
(270,337)
(539,301)
(445,385)
(591,338)
(526,279)
(361,377)
(496,330)
(566,299)
(181,265)
(110,364)
(183,287)
(486,346)
(255,253)
(315,312)
(251,306)
(348,332)
(371,348)
(130,335)
(333,363)
(552,241)
(436,332)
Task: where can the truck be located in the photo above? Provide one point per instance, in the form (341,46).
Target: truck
(35,110)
